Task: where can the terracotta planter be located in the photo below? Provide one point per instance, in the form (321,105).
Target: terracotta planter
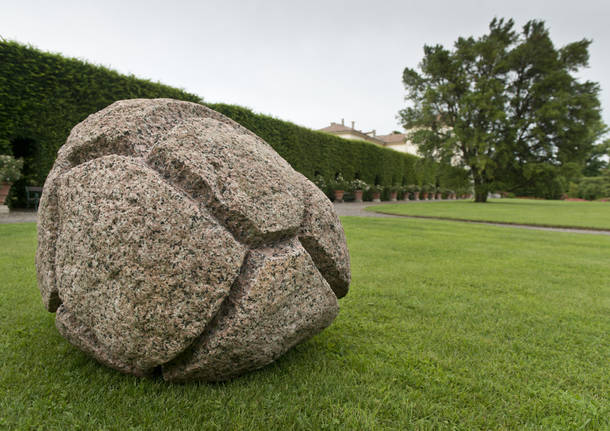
(439,196)
(376,197)
(393,196)
(405,197)
(416,196)
(424,196)
(4,189)
(339,195)
(357,196)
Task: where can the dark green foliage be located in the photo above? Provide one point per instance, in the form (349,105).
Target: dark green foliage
(315,153)
(507,105)
(597,160)
(592,188)
(541,180)
(42,96)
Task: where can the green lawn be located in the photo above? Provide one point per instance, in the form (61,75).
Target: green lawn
(595,215)
(447,326)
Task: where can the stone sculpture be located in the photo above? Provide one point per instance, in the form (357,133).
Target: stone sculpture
(171,238)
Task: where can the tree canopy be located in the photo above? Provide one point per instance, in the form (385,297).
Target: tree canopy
(507,106)
(597,159)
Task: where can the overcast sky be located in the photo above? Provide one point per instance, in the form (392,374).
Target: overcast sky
(310,62)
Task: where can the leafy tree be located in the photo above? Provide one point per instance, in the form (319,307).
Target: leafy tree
(506,106)
(597,159)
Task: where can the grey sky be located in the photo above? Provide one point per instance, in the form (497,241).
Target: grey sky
(309,62)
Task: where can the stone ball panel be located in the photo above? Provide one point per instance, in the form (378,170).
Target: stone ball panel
(141,265)
(323,237)
(279,300)
(242,180)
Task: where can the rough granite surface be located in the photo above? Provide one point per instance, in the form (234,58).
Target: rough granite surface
(279,299)
(172,238)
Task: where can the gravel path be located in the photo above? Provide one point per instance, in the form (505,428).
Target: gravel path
(357,209)
(19,217)
(347,209)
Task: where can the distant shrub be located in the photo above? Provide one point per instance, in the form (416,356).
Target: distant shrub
(10,169)
(592,188)
(43,95)
(377,188)
(356,185)
(320,182)
(543,181)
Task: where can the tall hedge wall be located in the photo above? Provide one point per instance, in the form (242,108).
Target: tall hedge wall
(311,152)
(316,153)
(43,95)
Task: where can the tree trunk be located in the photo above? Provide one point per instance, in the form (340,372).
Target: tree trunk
(480,189)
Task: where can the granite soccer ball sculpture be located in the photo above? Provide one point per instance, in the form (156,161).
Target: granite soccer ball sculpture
(172,239)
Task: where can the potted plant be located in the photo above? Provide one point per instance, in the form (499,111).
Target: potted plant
(358,187)
(414,189)
(394,192)
(10,171)
(438,193)
(320,182)
(427,190)
(376,190)
(338,186)
(404,193)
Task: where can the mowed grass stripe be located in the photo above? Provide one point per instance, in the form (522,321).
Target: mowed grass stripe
(590,215)
(446,326)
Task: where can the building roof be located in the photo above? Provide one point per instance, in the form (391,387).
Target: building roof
(340,129)
(393,138)
(396,141)
(335,127)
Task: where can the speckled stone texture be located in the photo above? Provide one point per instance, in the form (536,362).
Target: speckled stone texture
(171,238)
(279,299)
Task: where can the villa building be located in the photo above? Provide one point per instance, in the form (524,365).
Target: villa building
(395,141)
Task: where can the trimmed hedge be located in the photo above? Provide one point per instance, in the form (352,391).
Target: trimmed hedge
(316,153)
(42,96)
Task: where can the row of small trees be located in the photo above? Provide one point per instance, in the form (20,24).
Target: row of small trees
(339,186)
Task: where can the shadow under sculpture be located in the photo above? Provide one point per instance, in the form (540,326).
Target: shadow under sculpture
(172,238)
